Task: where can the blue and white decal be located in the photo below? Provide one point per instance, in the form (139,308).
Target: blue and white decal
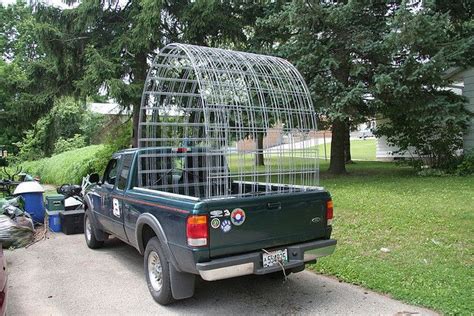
(237,216)
(226,226)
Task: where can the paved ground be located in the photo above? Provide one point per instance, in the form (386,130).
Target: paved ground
(62,276)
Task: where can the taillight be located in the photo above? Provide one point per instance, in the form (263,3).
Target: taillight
(197,230)
(329,212)
(180,150)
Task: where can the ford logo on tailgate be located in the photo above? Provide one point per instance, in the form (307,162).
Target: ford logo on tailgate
(316,220)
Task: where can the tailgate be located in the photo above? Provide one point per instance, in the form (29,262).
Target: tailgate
(270,221)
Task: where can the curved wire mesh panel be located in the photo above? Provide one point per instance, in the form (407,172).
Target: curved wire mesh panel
(216,123)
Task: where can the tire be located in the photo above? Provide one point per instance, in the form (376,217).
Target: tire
(89,233)
(157,272)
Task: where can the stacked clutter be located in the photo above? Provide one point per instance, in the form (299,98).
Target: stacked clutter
(16,225)
(54,205)
(64,215)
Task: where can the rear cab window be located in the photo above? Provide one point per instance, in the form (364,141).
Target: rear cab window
(127,160)
(110,174)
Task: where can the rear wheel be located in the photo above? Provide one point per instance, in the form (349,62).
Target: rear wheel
(157,272)
(89,233)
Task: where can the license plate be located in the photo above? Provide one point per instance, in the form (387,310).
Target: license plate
(272,258)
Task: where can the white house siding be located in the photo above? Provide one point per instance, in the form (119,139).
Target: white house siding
(468,92)
(385,152)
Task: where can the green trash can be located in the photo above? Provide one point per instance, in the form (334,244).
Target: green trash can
(55,202)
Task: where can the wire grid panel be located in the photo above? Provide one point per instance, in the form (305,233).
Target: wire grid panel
(219,123)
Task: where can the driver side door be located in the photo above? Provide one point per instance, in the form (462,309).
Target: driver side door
(106,217)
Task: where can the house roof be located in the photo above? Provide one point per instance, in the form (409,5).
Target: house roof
(108,108)
(454,73)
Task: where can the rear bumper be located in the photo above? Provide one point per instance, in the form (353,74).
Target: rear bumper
(251,263)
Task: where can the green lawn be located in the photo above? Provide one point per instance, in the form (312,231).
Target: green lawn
(360,150)
(426,222)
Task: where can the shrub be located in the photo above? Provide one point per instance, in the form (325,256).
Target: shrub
(31,146)
(62,145)
(119,138)
(67,167)
(429,172)
(429,127)
(71,166)
(466,167)
(58,130)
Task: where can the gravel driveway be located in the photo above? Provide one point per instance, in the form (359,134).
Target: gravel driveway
(62,276)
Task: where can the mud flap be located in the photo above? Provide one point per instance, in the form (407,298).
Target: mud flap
(182,284)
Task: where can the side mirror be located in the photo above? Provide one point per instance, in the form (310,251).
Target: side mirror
(94,178)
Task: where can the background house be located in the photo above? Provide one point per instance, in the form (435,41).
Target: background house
(463,84)
(463,80)
(113,116)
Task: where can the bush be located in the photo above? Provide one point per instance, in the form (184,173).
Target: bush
(71,166)
(67,167)
(429,172)
(119,138)
(429,127)
(31,146)
(3,162)
(466,167)
(62,145)
(58,130)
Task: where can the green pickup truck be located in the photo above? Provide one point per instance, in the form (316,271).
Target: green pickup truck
(182,236)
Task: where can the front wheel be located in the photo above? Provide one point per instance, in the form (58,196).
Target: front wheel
(157,272)
(89,233)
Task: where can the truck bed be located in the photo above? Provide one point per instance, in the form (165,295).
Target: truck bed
(288,215)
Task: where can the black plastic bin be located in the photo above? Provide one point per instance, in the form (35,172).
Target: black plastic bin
(72,222)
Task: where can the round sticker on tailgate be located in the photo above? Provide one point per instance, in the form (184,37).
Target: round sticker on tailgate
(237,217)
(215,223)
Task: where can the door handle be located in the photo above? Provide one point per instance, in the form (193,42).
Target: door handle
(274,206)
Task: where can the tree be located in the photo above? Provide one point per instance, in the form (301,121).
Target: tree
(420,114)
(29,81)
(106,46)
(337,47)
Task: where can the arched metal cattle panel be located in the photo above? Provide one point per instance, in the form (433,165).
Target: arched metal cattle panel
(222,123)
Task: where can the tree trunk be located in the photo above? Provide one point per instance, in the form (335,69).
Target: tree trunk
(135,122)
(140,76)
(347,144)
(337,164)
(259,158)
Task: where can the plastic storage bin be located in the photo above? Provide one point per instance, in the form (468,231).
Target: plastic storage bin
(72,222)
(32,193)
(55,202)
(54,220)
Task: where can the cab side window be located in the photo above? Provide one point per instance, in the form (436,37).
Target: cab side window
(123,178)
(110,174)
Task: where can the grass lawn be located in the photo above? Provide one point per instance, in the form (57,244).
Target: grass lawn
(360,149)
(427,223)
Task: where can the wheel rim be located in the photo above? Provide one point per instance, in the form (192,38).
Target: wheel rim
(155,271)
(88,229)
